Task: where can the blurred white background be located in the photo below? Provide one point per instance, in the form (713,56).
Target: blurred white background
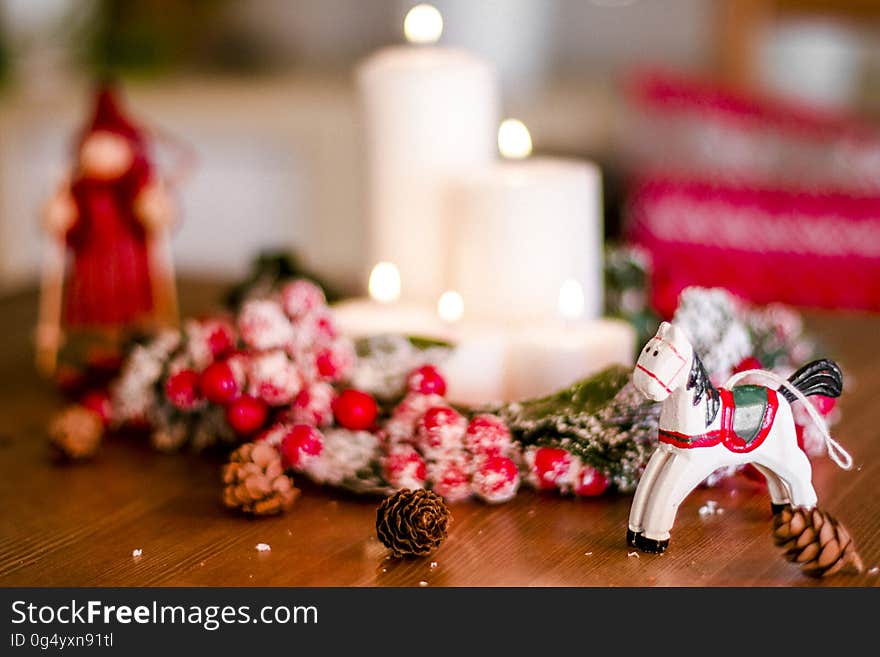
(263,91)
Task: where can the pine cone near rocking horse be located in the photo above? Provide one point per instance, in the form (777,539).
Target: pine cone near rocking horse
(255,483)
(816,541)
(412,522)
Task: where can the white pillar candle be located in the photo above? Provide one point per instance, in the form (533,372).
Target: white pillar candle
(475,371)
(363,317)
(429,112)
(518,230)
(543,359)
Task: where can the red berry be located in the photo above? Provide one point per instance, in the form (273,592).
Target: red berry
(246,415)
(99,402)
(300,444)
(406,415)
(182,389)
(274,378)
(441,431)
(314,405)
(589,482)
(221,336)
(426,380)
(748,363)
(335,361)
(404,467)
(823,404)
(218,383)
(324,363)
(355,410)
(496,479)
(325,327)
(552,468)
(487,434)
(300,297)
(263,325)
(451,479)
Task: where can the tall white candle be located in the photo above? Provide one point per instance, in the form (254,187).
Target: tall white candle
(429,113)
(520,228)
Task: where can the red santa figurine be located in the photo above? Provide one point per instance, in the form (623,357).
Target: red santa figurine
(108,268)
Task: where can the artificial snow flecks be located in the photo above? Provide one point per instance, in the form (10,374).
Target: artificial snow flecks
(710,508)
(349,459)
(136,553)
(874,571)
(726,331)
(263,547)
(433,565)
(274,378)
(604,421)
(403,467)
(384,362)
(133,395)
(711,319)
(263,325)
(404,419)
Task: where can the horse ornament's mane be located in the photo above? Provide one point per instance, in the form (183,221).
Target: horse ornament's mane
(699,382)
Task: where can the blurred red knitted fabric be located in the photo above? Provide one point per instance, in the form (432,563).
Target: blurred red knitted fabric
(773,201)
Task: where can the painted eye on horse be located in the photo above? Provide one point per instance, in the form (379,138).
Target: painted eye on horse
(655,353)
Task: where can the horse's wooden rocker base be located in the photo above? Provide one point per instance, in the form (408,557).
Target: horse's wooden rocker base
(703,428)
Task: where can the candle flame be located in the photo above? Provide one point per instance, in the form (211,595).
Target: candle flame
(384,285)
(514,140)
(571,299)
(423,24)
(450,306)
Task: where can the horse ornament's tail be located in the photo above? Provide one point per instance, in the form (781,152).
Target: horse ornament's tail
(812,538)
(820,377)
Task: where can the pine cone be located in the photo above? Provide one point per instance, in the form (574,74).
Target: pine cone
(75,433)
(412,522)
(817,541)
(255,482)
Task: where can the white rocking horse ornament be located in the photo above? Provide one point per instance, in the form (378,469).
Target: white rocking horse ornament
(703,428)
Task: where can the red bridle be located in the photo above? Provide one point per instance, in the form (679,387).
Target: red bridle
(654,376)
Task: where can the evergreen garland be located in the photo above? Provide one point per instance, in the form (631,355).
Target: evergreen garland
(603,420)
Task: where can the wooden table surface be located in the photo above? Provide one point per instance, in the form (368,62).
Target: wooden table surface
(77,525)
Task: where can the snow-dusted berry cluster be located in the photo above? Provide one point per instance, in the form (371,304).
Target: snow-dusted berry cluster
(428,443)
(278,360)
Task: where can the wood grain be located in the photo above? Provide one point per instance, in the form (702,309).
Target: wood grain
(78,525)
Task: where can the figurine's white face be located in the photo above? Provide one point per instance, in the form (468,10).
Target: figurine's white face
(105,155)
(663,364)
